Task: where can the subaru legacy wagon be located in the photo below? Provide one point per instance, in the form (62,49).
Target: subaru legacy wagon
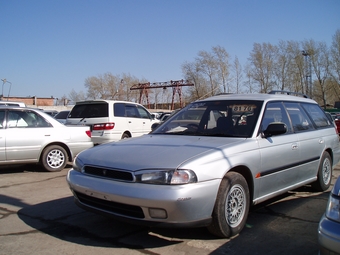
(210,162)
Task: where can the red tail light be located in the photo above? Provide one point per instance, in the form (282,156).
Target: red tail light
(103,126)
(88,132)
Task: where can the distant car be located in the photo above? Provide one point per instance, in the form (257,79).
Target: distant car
(12,103)
(111,120)
(209,162)
(335,120)
(329,225)
(31,136)
(62,116)
(51,112)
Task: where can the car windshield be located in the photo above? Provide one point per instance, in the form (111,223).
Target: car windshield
(226,118)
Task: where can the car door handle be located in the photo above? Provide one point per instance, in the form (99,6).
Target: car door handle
(294,146)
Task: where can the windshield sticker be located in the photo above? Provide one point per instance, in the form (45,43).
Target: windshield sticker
(243,108)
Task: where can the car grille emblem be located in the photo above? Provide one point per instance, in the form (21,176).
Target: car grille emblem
(104,172)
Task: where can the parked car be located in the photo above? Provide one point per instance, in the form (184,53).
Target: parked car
(111,120)
(210,162)
(329,225)
(62,116)
(12,103)
(51,112)
(31,136)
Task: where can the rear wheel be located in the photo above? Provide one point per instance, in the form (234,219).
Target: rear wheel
(54,158)
(324,173)
(231,207)
(125,135)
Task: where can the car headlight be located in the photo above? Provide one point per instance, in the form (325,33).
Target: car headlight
(333,208)
(77,164)
(166,176)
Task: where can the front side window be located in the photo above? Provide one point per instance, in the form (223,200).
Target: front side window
(143,113)
(275,112)
(224,118)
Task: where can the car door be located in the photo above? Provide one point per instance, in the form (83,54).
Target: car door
(135,122)
(24,138)
(311,135)
(280,154)
(146,118)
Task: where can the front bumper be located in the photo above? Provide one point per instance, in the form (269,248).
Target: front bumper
(329,236)
(184,205)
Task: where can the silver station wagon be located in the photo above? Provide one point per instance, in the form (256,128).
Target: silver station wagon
(207,164)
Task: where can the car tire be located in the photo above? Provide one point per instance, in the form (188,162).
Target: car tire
(231,207)
(54,158)
(125,135)
(324,176)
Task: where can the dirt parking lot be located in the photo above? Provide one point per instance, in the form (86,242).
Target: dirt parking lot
(38,216)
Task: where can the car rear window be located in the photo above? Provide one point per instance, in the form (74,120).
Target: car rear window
(96,110)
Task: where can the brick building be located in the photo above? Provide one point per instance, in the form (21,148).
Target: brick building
(36,101)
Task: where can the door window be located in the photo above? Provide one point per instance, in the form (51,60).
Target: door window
(299,119)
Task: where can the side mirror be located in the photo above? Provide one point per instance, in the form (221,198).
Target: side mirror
(154,126)
(277,128)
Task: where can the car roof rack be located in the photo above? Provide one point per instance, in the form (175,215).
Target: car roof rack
(284,92)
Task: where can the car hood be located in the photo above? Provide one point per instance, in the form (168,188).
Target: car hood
(153,151)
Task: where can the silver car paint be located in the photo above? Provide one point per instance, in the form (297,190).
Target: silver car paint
(210,158)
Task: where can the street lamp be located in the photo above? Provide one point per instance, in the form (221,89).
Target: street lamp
(3,83)
(308,70)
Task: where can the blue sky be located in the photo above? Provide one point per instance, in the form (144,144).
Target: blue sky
(49,47)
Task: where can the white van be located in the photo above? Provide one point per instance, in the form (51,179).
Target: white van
(111,120)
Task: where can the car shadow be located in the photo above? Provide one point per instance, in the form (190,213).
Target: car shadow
(268,225)
(10,169)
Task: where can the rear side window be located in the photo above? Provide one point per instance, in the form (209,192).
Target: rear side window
(97,110)
(300,120)
(317,115)
(119,110)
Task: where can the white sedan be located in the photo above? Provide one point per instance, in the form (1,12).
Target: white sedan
(28,135)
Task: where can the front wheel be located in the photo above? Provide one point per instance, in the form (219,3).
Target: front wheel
(54,158)
(324,176)
(231,207)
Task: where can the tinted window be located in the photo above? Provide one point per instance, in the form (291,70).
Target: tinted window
(2,117)
(96,110)
(275,112)
(119,110)
(62,115)
(143,113)
(131,111)
(317,115)
(299,119)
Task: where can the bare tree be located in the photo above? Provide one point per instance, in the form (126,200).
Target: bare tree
(320,61)
(335,56)
(237,70)
(221,59)
(208,66)
(262,65)
(191,71)
(77,96)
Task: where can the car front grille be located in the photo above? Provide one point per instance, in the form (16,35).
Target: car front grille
(112,207)
(108,173)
